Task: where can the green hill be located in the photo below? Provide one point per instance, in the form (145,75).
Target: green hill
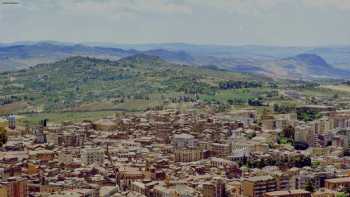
(135,82)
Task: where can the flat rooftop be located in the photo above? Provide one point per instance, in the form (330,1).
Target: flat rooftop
(259,178)
(285,193)
(339,180)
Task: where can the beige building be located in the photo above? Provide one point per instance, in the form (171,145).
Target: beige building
(3,190)
(337,183)
(341,119)
(220,150)
(257,186)
(128,175)
(216,188)
(324,125)
(14,187)
(188,155)
(220,163)
(305,133)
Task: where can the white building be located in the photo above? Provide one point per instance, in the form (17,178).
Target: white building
(92,156)
(184,141)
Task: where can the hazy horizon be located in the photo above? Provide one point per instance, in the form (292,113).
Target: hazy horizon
(114,44)
(296,23)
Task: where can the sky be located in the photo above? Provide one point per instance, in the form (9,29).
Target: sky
(222,22)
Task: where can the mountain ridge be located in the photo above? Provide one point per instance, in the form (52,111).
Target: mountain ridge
(280,62)
(23,56)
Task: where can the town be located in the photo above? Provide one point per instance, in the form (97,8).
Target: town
(182,154)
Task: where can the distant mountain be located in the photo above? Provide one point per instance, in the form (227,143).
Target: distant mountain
(310,59)
(221,51)
(14,57)
(302,66)
(173,56)
(281,62)
(22,56)
(312,66)
(335,55)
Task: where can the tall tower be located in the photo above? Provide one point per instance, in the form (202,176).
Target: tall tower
(12,121)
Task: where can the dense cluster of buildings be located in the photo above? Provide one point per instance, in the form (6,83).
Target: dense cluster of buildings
(180,154)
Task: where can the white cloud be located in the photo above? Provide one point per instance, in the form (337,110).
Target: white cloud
(105,7)
(201,21)
(249,7)
(338,4)
(126,6)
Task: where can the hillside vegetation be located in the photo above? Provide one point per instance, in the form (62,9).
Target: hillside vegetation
(132,83)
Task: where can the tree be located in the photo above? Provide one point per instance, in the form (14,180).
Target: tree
(346,190)
(3,136)
(341,194)
(230,101)
(288,132)
(335,96)
(255,102)
(315,164)
(284,108)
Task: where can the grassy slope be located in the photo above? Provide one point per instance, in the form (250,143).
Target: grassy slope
(89,84)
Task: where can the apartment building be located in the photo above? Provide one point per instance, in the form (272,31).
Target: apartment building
(184,141)
(337,183)
(14,187)
(258,185)
(188,155)
(92,155)
(220,150)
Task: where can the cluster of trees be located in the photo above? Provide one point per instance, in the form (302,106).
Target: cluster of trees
(284,108)
(272,93)
(308,85)
(344,192)
(198,88)
(298,161)
(308,116)
(256,102)
(236,101)
(287,136)
(220,107)
(238,84)
(289,132)
(3,136)
(185,98)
